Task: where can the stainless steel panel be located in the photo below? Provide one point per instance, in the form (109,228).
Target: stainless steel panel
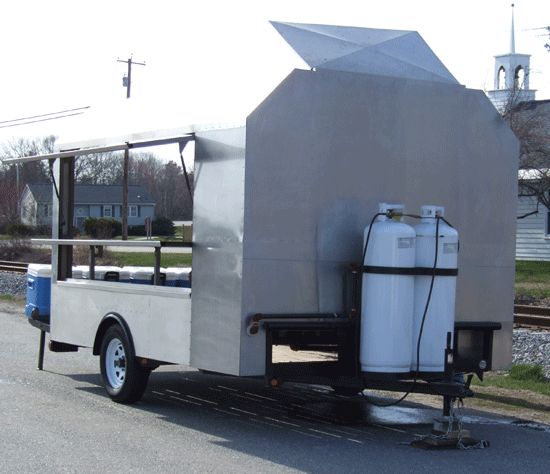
(395,53)
(217,250)
(326,147)
(158,330)
(486,293)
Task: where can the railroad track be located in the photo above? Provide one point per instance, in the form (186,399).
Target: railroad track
(16,267)
(526,315)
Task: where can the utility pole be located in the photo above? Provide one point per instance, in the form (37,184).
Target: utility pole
(126,82)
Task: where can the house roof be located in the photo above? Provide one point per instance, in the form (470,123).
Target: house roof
(94,194)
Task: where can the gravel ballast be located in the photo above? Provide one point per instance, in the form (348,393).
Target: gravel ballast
(14,284)
(532,347)
(529,347)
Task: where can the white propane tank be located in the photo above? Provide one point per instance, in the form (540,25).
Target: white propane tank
(387,297)
(440,317)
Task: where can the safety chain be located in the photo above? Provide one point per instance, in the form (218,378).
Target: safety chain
(455,414)
(455,420)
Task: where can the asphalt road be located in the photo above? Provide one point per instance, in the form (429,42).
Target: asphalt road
(60,420)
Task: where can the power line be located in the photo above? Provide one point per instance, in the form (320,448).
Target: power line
(45,115)
(41,120)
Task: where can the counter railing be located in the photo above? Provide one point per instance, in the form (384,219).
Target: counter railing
(94,243)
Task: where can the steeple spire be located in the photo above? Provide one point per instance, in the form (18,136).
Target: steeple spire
(512,35)
(511,76)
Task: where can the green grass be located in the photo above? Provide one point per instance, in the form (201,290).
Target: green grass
(532,272)
(532,279)
(9,298)
(147,259)
(520,376)
(537,293)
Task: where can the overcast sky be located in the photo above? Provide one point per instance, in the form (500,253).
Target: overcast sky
(214,59)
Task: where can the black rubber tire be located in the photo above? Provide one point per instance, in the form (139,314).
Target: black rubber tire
(136,377)
(346,391)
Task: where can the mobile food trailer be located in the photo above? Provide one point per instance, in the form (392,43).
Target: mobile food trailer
(288,233)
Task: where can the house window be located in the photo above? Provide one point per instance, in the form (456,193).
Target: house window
(132,211)
(547,224)
(48,210)
(108,211)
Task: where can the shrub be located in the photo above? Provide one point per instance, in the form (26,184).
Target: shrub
(90,226)
(42,230)
(163,226)
(14,248)
(117,227)
(19,230)
(136,230)
(533,373)
(102,228)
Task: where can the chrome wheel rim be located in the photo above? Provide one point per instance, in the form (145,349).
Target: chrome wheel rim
(115,363)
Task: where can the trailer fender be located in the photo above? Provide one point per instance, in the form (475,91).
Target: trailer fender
(109,320)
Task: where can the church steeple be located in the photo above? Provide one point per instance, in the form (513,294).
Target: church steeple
(511,84)
(512,35)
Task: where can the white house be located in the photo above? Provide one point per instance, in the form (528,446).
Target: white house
(533,223)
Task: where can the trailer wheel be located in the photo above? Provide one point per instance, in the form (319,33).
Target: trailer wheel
(123,379)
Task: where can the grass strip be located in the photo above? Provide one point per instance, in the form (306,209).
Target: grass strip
(147,259)
(532,272)
(520,377)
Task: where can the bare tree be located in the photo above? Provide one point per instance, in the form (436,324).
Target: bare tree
(165,182)
(100,168)
(530,122)
(13,178)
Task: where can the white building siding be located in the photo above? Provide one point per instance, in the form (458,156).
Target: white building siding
(531,240)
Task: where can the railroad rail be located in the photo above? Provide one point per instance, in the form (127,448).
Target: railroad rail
(538,316)
(16,267)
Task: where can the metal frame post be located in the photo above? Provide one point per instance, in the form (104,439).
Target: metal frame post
(449,375)
(62,228)
(92,262)
(156,278)
(41,349)
(63,224)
